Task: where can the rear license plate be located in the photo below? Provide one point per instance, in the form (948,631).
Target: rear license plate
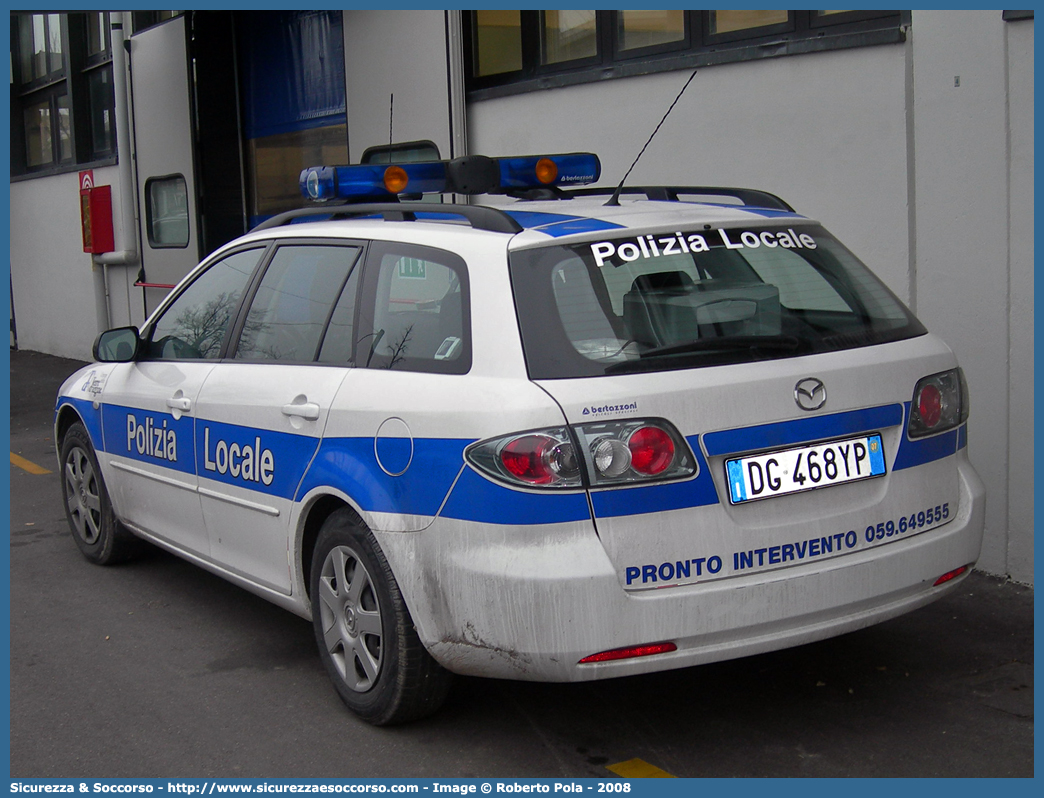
(762,476)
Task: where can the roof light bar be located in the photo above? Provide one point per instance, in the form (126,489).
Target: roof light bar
(473,174)
(536,171)
(372,181)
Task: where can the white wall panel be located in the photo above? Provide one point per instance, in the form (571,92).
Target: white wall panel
(826,131)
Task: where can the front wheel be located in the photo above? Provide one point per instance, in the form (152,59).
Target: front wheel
(365,634)
(100,536)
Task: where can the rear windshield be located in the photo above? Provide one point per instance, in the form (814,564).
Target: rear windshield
(659,301)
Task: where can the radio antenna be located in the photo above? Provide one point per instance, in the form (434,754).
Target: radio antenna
(615,199)
(391,118)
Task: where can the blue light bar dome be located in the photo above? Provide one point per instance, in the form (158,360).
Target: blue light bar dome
(471,174)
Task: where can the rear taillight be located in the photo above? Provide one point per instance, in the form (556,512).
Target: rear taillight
(652,450)
(610,452)
(539,459)
(946,577)
(940,403)
(630,652)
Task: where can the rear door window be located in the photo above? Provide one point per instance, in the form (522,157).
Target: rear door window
(294,301)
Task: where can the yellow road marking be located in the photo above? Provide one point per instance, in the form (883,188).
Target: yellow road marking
(27,465)
(638,769)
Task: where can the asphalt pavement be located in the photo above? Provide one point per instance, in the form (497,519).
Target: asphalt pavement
(158,669)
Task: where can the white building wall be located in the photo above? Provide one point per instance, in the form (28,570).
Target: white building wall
(966,247)
(929,183)
(59,295)
(826,131)
(376,71)
(1020,298)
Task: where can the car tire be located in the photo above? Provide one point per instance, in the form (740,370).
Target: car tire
(364,631)
(102,539)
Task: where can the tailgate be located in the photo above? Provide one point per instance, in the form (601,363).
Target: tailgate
(804,496)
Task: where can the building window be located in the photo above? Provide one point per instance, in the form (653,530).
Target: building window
(146,19)
(498,42)
(97,33)
(40,38)
(61,92)
(568,36)
(744,22)
(641,30)
(515,51)
(97,77)
(46,133)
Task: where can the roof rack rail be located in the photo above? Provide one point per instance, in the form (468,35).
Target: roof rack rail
(479,217)
(747,196)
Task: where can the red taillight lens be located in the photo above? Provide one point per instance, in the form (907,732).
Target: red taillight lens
(630,652)
(940,403)
(527,458)
(652,450)
(950,575)
(929,405)
(612,453)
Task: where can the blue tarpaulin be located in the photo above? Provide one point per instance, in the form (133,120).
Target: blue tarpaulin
(292,71)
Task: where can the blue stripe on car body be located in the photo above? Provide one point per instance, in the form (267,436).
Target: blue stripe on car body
(560,224)
(427,484)
(802,430)
(91,417)
(475,498)
(350,464)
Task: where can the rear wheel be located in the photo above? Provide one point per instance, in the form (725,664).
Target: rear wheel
(100,536)
(365,634)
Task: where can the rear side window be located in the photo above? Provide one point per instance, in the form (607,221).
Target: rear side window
(294,302)
(661,301)
(415,312)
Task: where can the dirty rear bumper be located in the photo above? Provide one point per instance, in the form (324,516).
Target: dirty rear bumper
(529,602)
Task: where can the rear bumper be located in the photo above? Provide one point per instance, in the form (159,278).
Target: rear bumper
(528,602)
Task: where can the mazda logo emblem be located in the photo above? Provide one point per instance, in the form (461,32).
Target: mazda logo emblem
(810,394)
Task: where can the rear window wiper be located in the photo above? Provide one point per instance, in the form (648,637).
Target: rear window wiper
(773,343)
(749,343)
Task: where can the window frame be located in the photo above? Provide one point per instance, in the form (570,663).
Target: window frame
(802,33)
(680,45)
(72,80)
(787,27)
(154,243)
(234,341)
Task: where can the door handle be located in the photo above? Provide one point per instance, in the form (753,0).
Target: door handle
(306,410)
(182,403)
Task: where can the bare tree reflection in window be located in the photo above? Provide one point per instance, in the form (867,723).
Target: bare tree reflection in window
(399,349)
(201,328)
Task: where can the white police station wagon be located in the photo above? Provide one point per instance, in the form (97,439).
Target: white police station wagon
(562,439)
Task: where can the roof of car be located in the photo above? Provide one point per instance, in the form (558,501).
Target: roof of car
(529,222)
(585,218)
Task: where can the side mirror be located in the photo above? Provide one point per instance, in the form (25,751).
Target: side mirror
(117,346)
